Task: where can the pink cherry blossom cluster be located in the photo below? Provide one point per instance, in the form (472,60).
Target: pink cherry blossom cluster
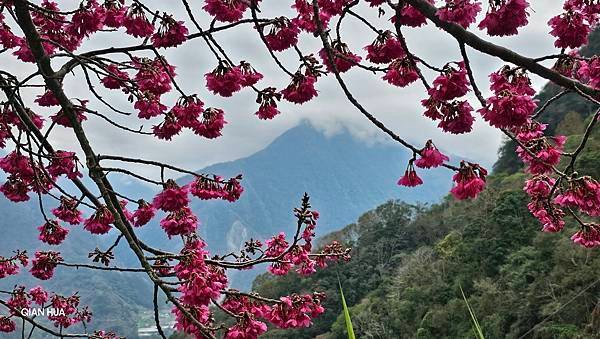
(429,157)
(72,313)
(572,27)
(10,266)
(512,103)
(203,281)
(342,57)
(44,263)
(52,233)
(462,12)
(454,115)
(22,299)
(469,181)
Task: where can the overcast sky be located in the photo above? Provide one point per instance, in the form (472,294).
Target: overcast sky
(245,134)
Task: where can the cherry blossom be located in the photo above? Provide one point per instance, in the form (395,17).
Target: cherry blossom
(52,233)
(504,17)
(430,156)
(410,177)
(385,49)
(469,181)
(42,266)
(462,12)
(401,73)
(99,222)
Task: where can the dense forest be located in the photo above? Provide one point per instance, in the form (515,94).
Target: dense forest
(409,262)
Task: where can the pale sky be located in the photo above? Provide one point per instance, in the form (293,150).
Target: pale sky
(245,134)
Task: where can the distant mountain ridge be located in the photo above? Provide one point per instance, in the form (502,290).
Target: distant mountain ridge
(343,175)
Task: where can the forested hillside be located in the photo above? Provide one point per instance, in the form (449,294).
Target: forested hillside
(409,263)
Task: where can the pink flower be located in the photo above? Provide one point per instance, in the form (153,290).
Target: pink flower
(215,188)
(267,111)
(246,328)
(149,106)
(513,80)
(167,129)
(15,189)
(410,177)
(430,156)
(153,75)
(171,33)
(233,189)
(582,193)
(64,163)
(385,49)
(143,214)
(178,222)
(305,19)
(547,151)
(52,233)
(115,14)
(188,110)
(7,38)
(504,17)
(549,215)
(17,164)
(570,29)
(211,124)
(99,222)
(47,99)
(462,12)
(455,117)
(588,236)
(342,57)
(296,311)
(67,211)
(267,99)
(115,78)
(301,89)
(87,20)
(589,71)
(44,263)
(401,73)
(172,198)
(136,23)
(282,35)
(226,10)
(469,181)
(7,325)
(205,188)
(128,215)
(276,245)
(224,80)
(539,186)
(333,7)
(508,110)
(61,118)
(249,75)
(24,53)
(8,266)
(410,16)
(38,295)
(184,324)
(529,131)
(452,83)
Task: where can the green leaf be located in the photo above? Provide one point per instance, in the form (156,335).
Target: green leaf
(476,328)
(346,313)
